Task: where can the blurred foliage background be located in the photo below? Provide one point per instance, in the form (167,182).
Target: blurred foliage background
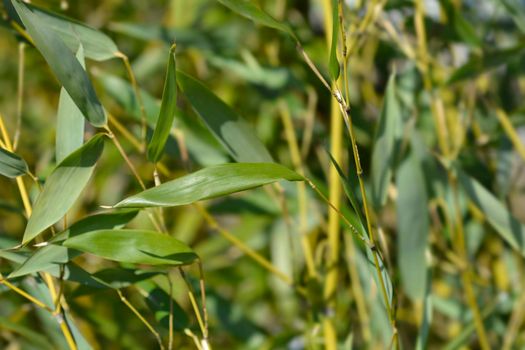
(458,73)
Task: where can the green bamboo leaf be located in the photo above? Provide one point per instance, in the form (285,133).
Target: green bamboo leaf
(70,121)
(464,30)
(64,65)
(52,255)
(63,187)
(247,9)
(112,278)
(333,64)
(211,182)
(97,45)
(167,111)
(384,151)
(11,165)
(159,302)
(122,92)
(133,246)
(412,226)
(230,130)
(508,227)
(202,145)
(514,8)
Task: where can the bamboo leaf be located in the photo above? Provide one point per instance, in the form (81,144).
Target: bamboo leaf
(70,121)
(385,147)
(413,226)
(167,111)
(133,246)
(97,45)
(159,302)
(247,9)
(211,182)
(333,64)
(230,130)
(53,254)
(63,187)
(508,227)
(11,165)
(64,65)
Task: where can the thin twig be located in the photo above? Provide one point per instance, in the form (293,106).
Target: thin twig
(141,318)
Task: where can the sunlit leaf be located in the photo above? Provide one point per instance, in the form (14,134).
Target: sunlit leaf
(70,121)
(232,132)
(63,187)
(52,255)
(385,145)
(167,111)
(97,45)
(133,246)
(211,182)
(11,165)
(64,65)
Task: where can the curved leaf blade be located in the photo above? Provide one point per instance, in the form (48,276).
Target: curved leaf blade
(211,182)
(167,111)
(134,246)
(230,130)
(383,154)
(11,165)
(70,121)
(247,9)
(64,65)
(508,227)
(63,187)
(53,255)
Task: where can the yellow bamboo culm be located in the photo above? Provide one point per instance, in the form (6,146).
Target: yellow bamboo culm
(334,197)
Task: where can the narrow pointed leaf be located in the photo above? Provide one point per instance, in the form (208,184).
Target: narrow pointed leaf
(230,130)
(97,45)
(247,9)
(508,227)
(11,165)
(64,65)
(167,111)
(70,121)
(159,302)
(211,182)
(384,151)
(53,255)
(413,225)
(333,64)
(63,187)
(133,246)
